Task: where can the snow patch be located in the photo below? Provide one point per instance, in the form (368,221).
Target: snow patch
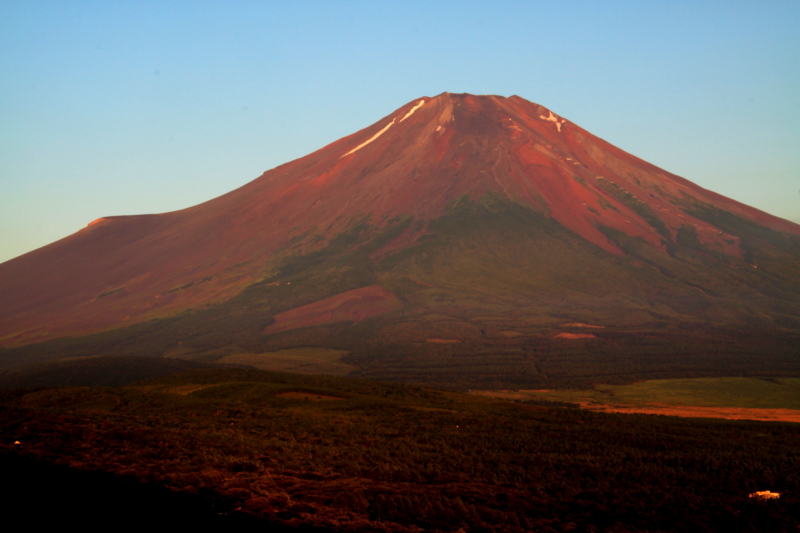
(362,145)
(551,118)
(554,119)
(412,110)
(513,125)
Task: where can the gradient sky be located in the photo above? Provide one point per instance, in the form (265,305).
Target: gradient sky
(118,108)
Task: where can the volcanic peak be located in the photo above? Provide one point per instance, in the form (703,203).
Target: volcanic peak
(456,145)
(411,165)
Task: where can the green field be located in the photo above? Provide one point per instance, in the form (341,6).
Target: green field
(759,393)
(781,393)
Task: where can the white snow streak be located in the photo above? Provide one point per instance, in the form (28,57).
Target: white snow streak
(362,145)
(553,118)
(412,110)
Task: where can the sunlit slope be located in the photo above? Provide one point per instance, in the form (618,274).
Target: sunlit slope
(456,236)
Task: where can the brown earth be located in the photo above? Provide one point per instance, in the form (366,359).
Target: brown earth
(185,390)
(731,413)
(308,396)
(576,336)
(355,306)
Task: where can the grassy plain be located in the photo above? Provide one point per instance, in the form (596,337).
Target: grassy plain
(779,393)
(299,360)
(726,397)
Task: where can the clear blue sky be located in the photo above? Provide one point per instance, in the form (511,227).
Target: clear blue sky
(113,108)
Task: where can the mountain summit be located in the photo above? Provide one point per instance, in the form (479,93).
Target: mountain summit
(459,224)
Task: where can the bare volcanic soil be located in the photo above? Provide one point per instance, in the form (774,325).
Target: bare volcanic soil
(730,413)
(350,306)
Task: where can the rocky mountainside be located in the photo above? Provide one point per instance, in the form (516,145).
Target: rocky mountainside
(459,236)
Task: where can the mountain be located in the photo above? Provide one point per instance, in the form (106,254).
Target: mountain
(459,238)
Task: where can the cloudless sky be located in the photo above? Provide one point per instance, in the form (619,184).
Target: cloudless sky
(115,108)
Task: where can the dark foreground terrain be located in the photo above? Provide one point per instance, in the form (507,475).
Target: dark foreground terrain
(49,495)
(321,453)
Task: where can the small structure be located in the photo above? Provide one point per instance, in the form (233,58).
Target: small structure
(765,495)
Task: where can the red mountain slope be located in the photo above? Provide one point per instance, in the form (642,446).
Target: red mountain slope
(415,161)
